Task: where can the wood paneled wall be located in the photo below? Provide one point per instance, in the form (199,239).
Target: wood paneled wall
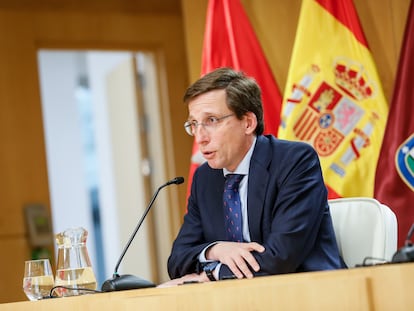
(22,157)
(275,22)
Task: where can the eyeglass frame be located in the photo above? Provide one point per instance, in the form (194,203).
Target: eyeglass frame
(191,126)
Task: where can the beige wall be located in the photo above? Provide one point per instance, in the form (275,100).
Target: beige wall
(23,31)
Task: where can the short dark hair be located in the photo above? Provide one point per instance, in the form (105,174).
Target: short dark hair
(243,94)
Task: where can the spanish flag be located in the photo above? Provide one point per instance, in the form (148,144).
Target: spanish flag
(230,41)
(333,98)
(394,182)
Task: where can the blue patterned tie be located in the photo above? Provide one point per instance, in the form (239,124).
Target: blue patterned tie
(232,208)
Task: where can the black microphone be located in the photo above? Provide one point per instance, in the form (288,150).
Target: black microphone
(128,281)
(405,253)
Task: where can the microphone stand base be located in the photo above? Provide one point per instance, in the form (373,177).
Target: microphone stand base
(125,282)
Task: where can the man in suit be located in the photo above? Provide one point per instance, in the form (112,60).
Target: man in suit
(283,225)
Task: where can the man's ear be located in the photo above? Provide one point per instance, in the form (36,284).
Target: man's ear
(251,122)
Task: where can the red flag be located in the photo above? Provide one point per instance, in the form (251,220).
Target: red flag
(230,41)
(394,181)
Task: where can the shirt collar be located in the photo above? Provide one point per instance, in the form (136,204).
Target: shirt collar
(243,167)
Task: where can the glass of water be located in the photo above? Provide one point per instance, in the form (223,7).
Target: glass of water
(38,279)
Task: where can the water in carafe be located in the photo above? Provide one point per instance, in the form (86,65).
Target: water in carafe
(74,270)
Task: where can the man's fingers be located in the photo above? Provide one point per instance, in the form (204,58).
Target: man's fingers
(249,258)
(255,247)
(237,256)
(235,269)
(241,264)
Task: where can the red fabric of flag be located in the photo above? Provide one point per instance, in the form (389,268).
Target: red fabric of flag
(394,180)
(230,41)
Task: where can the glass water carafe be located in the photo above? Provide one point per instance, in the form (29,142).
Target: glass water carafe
(73,270)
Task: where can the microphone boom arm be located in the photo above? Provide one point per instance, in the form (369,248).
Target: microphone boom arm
(136,229)
(128,281)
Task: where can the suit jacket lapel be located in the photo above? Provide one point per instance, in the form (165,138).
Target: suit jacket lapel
(257,187)
(216,185)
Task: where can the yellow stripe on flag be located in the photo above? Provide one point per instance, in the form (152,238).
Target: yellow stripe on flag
(334,101)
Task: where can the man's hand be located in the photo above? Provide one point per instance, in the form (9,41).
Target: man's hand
(194,277)
(237,256)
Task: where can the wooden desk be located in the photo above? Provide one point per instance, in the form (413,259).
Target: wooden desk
(386,287)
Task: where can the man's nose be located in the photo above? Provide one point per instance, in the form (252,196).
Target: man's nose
(200,133)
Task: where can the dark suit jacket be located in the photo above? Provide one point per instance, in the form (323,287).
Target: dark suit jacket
(287,213)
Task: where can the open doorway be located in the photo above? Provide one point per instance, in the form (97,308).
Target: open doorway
(100,110)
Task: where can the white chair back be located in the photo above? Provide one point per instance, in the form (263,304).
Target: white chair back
(364,228)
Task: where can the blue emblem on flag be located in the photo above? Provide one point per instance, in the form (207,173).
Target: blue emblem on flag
(404,161)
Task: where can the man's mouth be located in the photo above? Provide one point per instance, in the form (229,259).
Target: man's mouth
(207,154)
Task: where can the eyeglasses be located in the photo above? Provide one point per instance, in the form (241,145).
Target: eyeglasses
(209,124)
